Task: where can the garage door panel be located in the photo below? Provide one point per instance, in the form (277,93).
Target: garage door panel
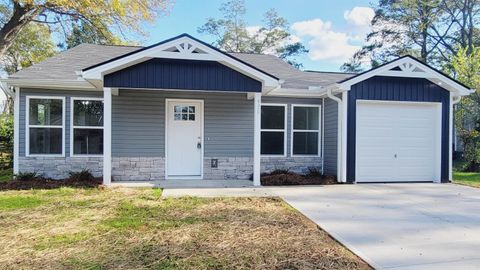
(396,142)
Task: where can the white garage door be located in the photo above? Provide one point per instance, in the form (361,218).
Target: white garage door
(398,141)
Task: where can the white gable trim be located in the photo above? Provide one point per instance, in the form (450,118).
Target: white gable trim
(183,47)
(409,68)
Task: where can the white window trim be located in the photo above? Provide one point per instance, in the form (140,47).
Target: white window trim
(72,127)
(285,127)
(28,126)
(318,131)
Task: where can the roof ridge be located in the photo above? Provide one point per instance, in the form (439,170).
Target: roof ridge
(110,45)
(253,53)
(333,72)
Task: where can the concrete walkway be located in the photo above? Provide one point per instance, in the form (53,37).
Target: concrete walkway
(184,184)
(394,226)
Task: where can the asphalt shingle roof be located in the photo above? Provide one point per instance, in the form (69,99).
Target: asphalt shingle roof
(64,66)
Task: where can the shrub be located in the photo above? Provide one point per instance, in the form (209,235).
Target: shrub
(472,154)
(83,175)
(313,172)
(279,171)
(6,141)
(27,176)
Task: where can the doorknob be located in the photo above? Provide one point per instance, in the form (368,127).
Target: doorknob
(395,156)
(199,145)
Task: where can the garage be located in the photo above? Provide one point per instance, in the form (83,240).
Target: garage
(398,141)
(398,131)
(396,124)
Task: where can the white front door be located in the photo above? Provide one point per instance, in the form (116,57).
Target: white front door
(398,142)
(184,138)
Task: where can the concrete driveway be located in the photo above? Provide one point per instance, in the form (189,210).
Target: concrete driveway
(398,226)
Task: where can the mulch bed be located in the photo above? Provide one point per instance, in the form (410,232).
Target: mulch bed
(291,179)
(42,183)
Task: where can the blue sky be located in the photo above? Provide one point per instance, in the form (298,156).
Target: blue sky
(332,30)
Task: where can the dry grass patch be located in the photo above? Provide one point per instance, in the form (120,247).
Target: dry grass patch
(137,229)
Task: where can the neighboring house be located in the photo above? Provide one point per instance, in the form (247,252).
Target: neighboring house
(182,109)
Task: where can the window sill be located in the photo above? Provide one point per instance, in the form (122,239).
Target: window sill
(86,156)
(305,156)
(40,155)
(262,156)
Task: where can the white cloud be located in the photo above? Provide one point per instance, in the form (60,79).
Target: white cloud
(328,44)
(323,42)
(359,16)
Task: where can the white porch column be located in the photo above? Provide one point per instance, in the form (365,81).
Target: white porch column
(107,136)
(257,101)
(16,130)
(450,139)
(343,176)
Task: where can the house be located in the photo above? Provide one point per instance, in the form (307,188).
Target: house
(182,109)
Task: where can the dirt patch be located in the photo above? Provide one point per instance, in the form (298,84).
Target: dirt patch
(291,179)
(43,183)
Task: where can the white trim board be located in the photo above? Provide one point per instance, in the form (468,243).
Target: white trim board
(16,131)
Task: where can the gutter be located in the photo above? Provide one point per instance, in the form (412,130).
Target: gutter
(49,83)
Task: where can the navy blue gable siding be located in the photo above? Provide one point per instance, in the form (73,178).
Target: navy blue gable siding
(396,89)
(182,74)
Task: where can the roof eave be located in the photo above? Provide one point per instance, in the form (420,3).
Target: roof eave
(49,83)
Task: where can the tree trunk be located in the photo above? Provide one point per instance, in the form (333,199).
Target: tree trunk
(424,53)
(21,16)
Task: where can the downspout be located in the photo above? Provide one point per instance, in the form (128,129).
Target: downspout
(454,100)
(339,132)
(323,136)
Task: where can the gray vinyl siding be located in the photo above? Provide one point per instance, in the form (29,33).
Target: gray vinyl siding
(138,123)
(330,136)
(289,102)
(44,92)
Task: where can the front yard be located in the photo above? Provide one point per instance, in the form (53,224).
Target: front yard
(70,228)
(467,178)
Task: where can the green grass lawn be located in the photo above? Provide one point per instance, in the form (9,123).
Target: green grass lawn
(72,228)
(464,178)
(467,178)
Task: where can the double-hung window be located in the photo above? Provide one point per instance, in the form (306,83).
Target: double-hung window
(87,127)
(45,120)
(273,130)
(306,130)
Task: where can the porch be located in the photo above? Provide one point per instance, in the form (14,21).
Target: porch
(215,139)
